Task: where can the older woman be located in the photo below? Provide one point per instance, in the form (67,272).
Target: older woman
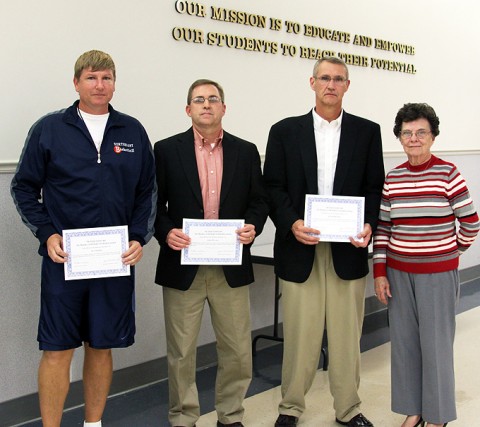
(416,251)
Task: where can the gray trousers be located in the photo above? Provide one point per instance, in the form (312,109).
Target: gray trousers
(422,330)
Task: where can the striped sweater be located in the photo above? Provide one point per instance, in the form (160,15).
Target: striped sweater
(417,230)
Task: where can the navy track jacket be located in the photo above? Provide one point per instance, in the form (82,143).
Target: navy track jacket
(59,184)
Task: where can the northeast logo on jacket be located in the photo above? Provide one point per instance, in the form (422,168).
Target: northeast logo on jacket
(120,147)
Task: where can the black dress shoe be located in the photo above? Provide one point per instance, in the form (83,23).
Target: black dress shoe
(286,421)
(237,424)
(357,421)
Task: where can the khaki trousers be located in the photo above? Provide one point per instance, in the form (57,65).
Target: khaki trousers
(230,314)
(323,301)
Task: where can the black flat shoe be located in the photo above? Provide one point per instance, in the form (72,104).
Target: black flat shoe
(424,424)
(420,423)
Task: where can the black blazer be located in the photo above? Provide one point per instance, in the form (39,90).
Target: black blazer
(243,195)
(290,173)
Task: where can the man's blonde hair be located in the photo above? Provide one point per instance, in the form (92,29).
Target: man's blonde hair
(95,60)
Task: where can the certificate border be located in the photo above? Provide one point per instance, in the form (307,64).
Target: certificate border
(236,260)
(359,201)
(68,234)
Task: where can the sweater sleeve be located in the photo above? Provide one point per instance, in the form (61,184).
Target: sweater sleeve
(382,235)
(463,209)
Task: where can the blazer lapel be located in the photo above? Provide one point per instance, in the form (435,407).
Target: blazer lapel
(345,153)
(230,157)
(186,152)
(308,152)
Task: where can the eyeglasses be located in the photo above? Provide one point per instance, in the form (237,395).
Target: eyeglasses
(210,99)
(420,134)
(337,81)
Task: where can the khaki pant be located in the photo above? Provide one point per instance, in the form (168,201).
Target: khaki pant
(323,301)
(230,314)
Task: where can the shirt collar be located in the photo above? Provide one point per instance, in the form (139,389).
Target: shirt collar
(321,123)
(200,141)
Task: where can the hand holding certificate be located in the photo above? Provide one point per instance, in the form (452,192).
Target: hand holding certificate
(95,252)
(213,242)
(337,217)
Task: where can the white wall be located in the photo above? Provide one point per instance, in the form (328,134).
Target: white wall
(41,41)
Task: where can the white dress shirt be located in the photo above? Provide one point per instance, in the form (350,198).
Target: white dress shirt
(327,142)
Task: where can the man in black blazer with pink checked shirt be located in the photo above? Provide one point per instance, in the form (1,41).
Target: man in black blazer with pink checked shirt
(207,173)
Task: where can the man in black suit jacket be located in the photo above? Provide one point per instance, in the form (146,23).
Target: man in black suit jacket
(207,173)
(327,152)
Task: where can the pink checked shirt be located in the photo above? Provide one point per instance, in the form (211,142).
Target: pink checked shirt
(209,155)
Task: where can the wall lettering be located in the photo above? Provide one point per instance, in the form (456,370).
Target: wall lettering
(272,47)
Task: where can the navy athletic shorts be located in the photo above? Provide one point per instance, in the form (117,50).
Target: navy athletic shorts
(98,311)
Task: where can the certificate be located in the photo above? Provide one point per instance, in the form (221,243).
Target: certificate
(336,217)
(213,242)
(95,252)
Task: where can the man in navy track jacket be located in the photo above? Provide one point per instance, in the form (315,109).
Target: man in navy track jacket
(85,166)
